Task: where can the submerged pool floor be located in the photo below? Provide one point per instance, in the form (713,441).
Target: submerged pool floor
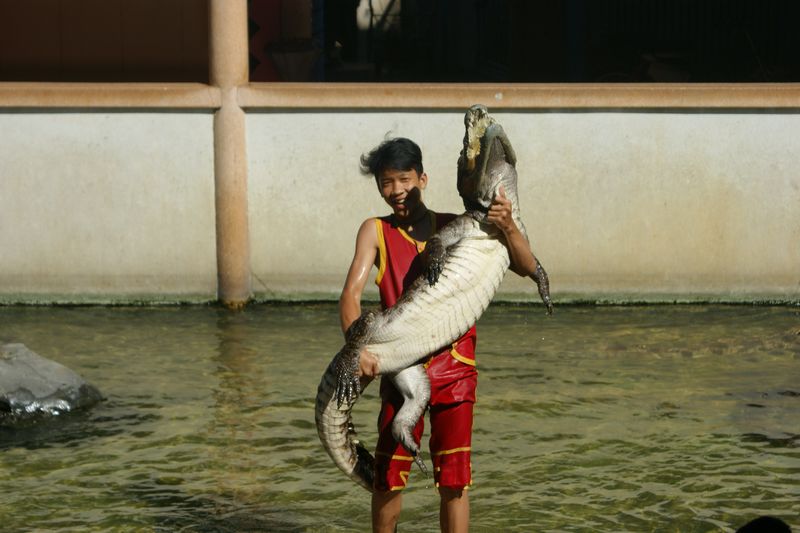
(662,418)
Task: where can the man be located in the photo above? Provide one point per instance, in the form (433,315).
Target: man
(395,244)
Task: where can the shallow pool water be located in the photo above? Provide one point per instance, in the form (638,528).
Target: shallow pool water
(608,419)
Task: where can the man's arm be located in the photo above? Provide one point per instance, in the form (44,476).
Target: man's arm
(357,276)
(523,262)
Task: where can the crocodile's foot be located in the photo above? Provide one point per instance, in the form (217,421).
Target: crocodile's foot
(543,285)
(421,464)
(403,433)
(436,256)
(548,304)
(411,447)
(348,386)
(361,327)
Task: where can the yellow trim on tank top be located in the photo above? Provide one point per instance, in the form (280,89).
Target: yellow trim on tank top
(420,245)
(381,252)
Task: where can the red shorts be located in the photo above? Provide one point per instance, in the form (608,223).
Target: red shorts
(453,385)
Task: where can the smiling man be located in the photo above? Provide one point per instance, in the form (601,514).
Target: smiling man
(394,244)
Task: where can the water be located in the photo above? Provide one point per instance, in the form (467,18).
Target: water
(610,419)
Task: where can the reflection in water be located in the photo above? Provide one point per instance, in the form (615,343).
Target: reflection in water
(662,418)
(237,412)
(66,430)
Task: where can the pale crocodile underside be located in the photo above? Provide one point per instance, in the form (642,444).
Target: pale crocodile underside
(428,317)
(435,316)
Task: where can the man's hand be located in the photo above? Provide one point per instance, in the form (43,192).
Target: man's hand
(500,212)
(367,364)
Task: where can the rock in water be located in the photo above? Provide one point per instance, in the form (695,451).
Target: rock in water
(32,387)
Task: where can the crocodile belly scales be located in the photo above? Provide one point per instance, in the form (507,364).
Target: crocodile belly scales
(438,315)
(435,317)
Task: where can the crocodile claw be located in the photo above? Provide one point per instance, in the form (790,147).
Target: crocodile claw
(436,257)
(402,433)
(548,304)
(348,386)
(543,285)
(421,464)
(433,272)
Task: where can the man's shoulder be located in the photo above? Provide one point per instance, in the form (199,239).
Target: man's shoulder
(371,221)
(367,228)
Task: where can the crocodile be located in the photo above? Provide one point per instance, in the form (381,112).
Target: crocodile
(466,261)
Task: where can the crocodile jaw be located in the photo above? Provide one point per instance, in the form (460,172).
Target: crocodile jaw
(482,147)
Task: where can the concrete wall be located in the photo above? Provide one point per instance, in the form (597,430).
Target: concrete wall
(106,207)
(655,206)
(119,206)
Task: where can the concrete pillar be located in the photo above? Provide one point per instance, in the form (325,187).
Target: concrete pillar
(228,70)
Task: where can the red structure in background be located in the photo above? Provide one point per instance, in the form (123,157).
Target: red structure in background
(264,21)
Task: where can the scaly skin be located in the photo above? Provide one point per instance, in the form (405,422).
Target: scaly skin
(467,261)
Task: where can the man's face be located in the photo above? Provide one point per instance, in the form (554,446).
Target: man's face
(402,190)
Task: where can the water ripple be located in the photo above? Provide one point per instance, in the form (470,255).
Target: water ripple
(597,419)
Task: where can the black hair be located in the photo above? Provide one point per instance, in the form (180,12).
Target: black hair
(398,153)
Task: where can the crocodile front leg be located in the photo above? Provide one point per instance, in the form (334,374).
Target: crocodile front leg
(348,385)
(437,253)
(414,385)
(436,248)
(543,284)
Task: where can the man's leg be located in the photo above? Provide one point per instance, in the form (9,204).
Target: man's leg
(392,463)
(386,506)
(451,439)
(453,510)
(451,427)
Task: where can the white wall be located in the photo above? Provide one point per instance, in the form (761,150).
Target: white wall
(106,206)
(307,197)
(619,205)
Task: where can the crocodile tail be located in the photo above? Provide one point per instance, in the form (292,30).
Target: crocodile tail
(338,436)
(365,466)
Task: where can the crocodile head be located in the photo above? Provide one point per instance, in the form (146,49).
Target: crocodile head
(487,161)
